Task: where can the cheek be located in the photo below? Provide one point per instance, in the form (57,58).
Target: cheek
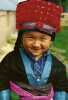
(27,43)
(46,45)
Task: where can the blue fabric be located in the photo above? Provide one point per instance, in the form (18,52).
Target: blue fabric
(38,66)
(30,75)
(61,95)
(66,96)
(5,95)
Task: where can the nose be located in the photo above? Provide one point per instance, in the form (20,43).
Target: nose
(36,44)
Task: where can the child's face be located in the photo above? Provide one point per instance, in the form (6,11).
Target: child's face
(36,43)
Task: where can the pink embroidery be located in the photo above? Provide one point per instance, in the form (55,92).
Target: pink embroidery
(24,95)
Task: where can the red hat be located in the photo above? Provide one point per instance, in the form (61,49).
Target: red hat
(40,14)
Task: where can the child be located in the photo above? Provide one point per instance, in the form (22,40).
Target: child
(31,62)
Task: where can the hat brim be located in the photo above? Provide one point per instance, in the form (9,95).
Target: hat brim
(33,26)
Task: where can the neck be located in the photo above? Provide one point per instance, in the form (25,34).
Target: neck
(37,57)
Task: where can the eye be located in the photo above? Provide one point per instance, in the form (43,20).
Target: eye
(44,38)
(29,37)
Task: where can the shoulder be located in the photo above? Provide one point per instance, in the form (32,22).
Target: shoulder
(11,59)
(58,75)
(8,57)
(58,64)
(58,68)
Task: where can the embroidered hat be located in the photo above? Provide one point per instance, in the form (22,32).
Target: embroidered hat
(38,14)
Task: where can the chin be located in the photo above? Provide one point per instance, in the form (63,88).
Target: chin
(35,54)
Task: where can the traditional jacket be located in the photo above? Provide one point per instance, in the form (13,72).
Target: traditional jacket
(12,69)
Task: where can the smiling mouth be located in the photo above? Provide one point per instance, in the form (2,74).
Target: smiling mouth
(35,50)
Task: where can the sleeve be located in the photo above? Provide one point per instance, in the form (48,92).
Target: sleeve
(59,77)
(4,74)
(5,95)
(62,79)
(60,96)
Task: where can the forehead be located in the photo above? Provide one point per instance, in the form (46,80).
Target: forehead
(36,34)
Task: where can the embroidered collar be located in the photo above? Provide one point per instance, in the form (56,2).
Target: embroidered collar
(30,75)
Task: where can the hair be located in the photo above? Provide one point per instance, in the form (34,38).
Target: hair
(53,36)
(18,41)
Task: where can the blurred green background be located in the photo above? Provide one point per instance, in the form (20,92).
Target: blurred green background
(60,45)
